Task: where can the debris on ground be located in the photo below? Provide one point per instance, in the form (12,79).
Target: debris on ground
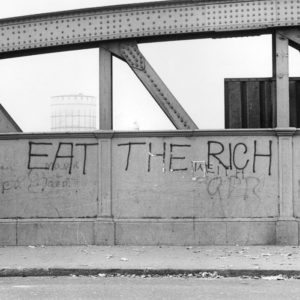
(266,254)
(276,277)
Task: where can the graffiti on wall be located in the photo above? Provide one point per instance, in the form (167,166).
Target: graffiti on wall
(63,151)
(49,166)
(236,157)
(225,169)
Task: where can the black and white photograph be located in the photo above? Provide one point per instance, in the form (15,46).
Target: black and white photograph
(150,149)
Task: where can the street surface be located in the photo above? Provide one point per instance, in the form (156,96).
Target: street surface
(147,288)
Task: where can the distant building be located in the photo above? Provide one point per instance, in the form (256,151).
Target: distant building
(73,113)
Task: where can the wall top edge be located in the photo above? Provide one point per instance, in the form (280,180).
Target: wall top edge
(263,79)
(124,134)
(109,134)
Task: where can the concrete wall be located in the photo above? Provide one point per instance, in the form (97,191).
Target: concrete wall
(174,188)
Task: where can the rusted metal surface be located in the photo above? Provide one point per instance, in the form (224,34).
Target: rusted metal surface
(145,20)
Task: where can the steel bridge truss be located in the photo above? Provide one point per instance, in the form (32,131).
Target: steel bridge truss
(117,31)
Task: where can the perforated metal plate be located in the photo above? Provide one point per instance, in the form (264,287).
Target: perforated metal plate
(165,18)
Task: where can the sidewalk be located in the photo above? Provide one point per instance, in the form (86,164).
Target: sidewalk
(138,260)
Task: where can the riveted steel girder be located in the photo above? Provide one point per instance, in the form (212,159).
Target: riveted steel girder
(155,20)
(293,35)
(130,53)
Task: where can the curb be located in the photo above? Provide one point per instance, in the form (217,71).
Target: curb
(201,273)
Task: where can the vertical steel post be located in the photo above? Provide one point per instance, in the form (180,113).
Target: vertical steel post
(281,75)
(104,226)
(287,231)
(105,90)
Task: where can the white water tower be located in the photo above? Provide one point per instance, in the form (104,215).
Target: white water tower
(73,113)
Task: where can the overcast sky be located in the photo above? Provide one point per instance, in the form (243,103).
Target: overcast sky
(193,70)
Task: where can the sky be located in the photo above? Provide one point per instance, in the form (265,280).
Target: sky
(193,70)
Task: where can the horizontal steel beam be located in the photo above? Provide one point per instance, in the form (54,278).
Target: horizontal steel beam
(155,20)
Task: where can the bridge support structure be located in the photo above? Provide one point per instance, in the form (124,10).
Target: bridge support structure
(184,187)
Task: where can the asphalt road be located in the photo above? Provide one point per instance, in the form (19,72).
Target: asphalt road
(147,288)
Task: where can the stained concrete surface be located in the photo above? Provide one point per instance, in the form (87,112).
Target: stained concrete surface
(147,288)
(65,260)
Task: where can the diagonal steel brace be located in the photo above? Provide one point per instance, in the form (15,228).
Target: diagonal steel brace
(130,53)
(293,35)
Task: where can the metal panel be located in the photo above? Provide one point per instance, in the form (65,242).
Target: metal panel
(297,103)
(233,104)
(294,102)
(144,20)
(288,12)
(253,105)
(240,15)
(256,97)
(267,103)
